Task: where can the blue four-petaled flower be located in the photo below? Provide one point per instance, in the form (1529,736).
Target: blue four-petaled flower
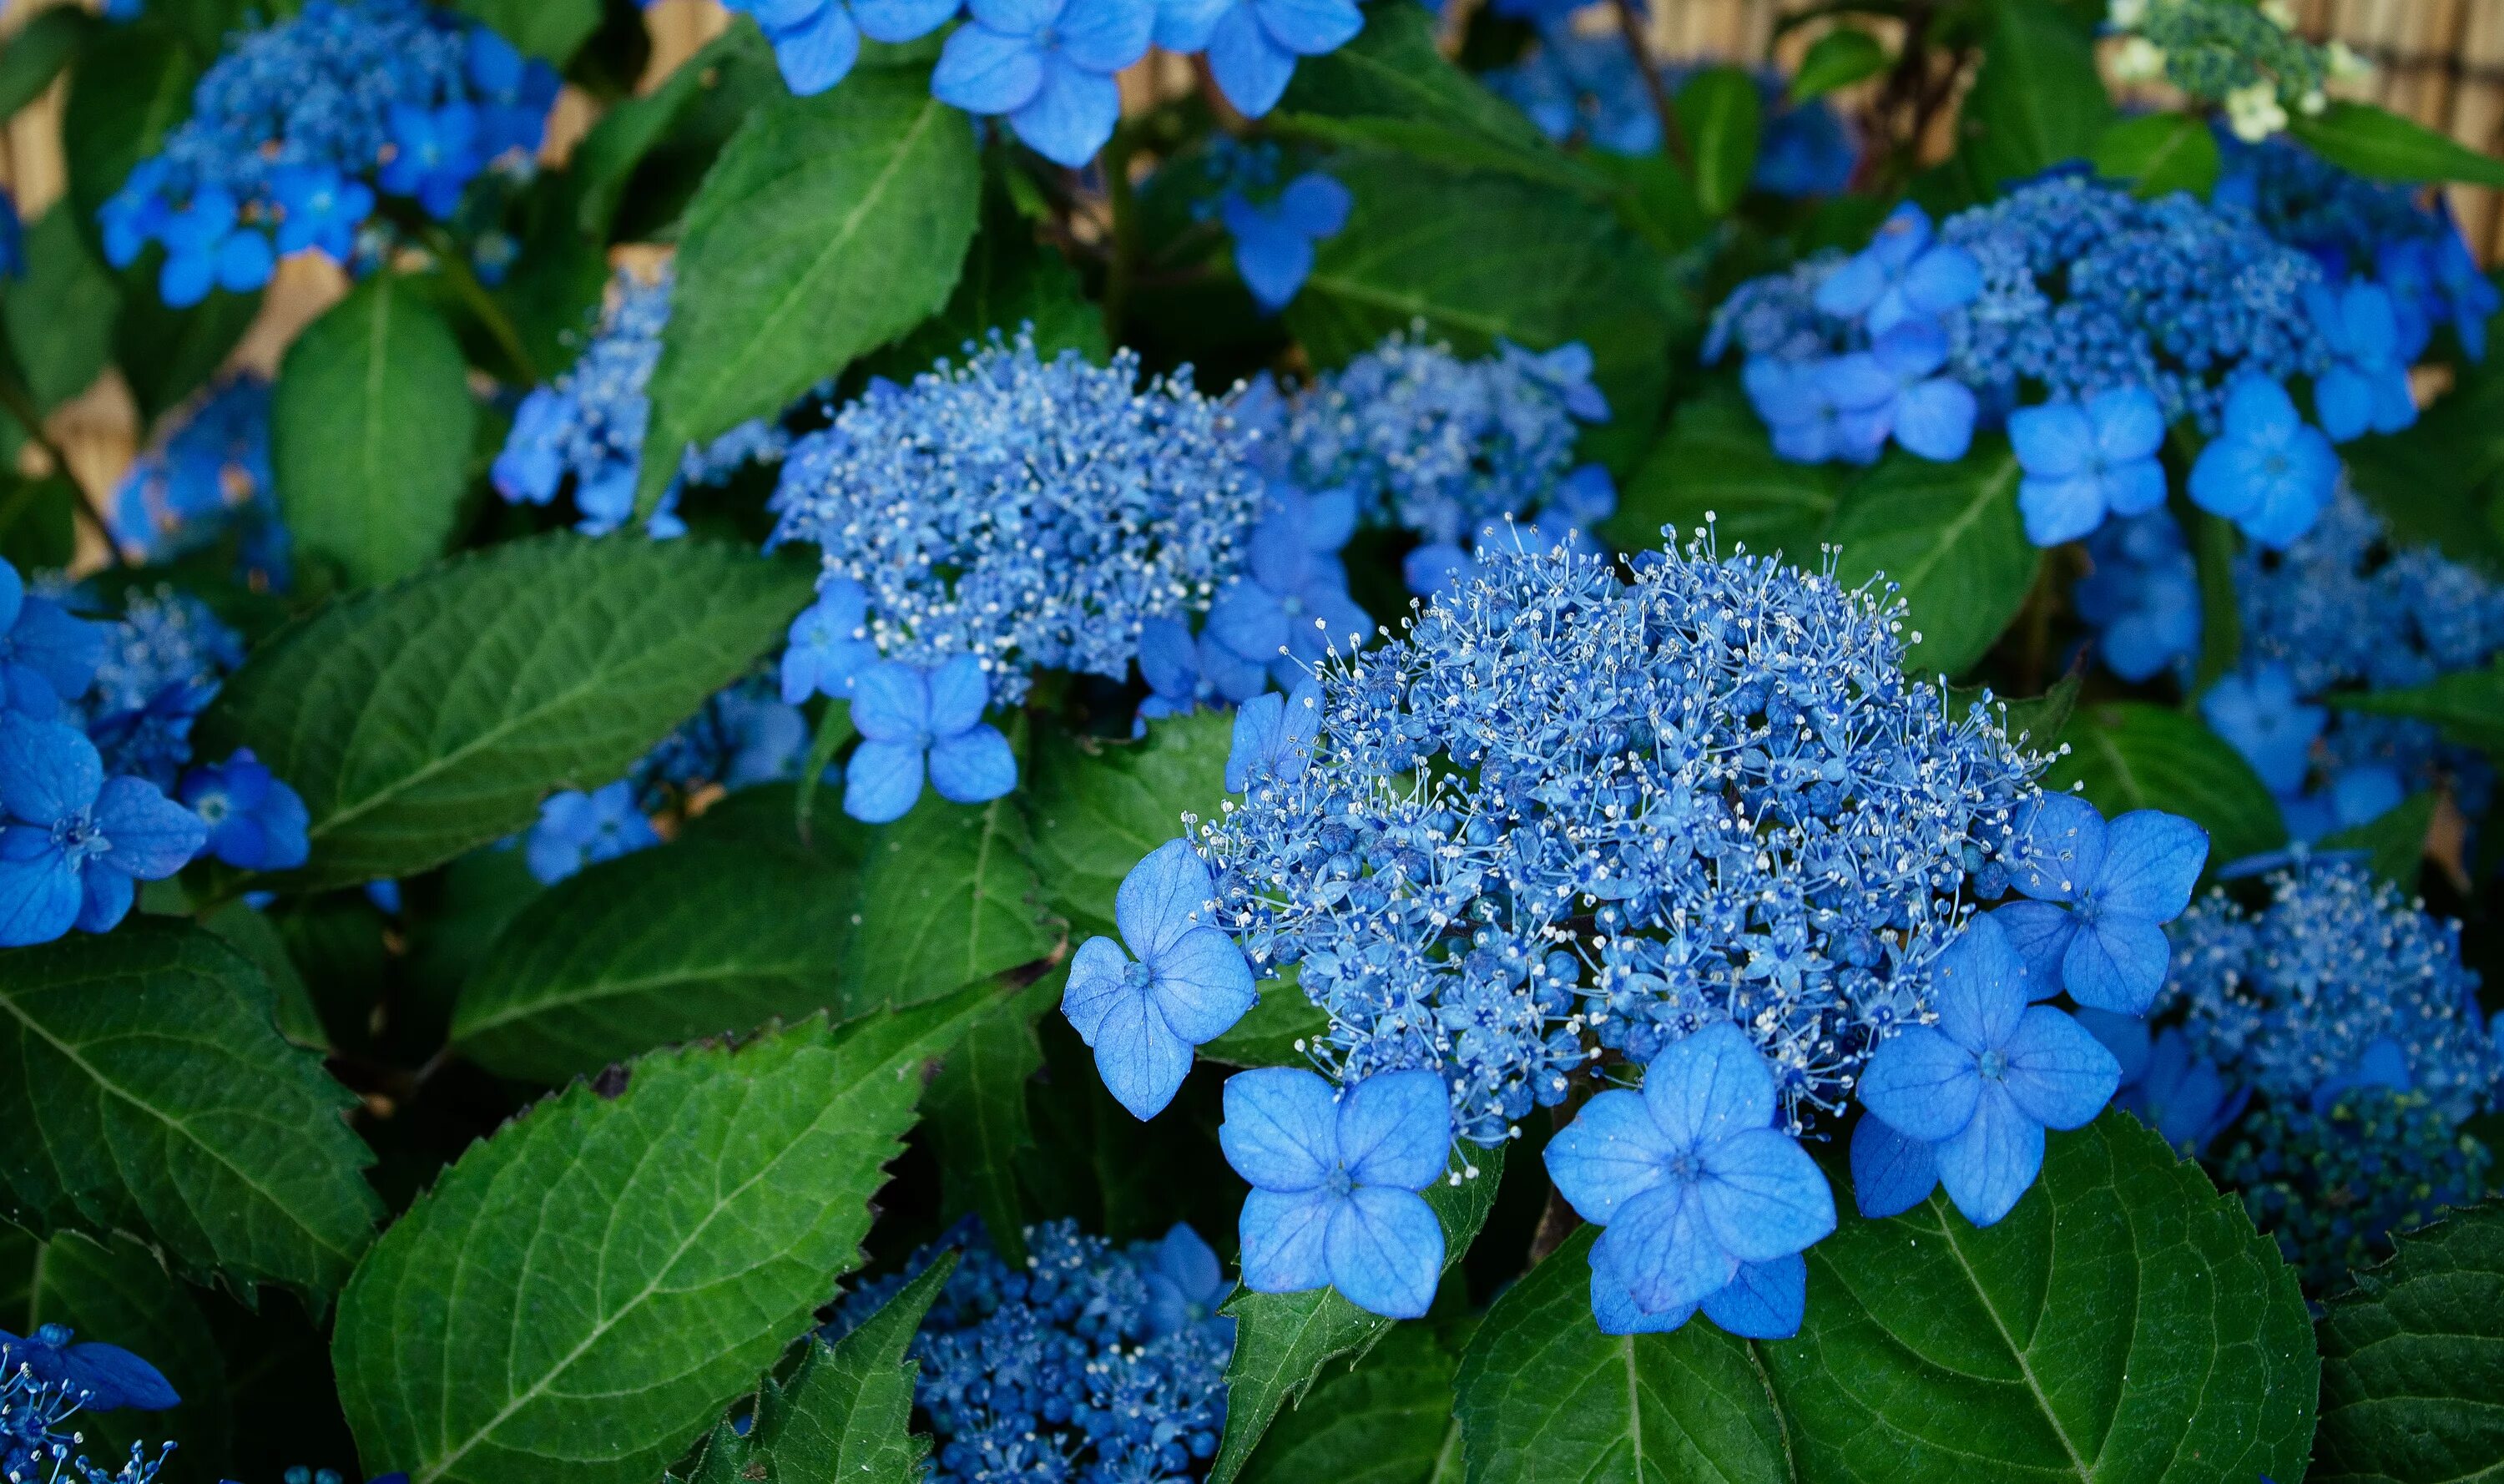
(2258,712)
(1274,737)
(46,656)
(255,823)
(828,646)
(2097,896)
(2084,461)
(1189,985)
(72,841)
(578,829)
(912,722)
(2268,471)
(1893,388)
(2366,389)
(1334,1180)
(1274,243)
(1903,273)
(1048,65)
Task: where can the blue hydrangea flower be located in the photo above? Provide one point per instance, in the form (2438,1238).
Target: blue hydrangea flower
(46,656)
(255,823)
(39,1443)
(1797,400)
(1689,1177)
(1893,388)
(1290,608)
(2097,896)
(72,841)
(103,1377)
(1588,88)
(1188,984)
(1906,272)
(912,720)
(827,648)
(578,829)
(2086,459)
(1048,65)
(2258,712)
(1273,737)
(2333,1184)
(1185,1283)
(209,475)
(2182,1095)
(1335,1178)
(2267,470)
(1184,672)
(815,42)
(2366,389)
(1274,243)
(1030,514)
(1253,45)
(2355,796)
(1762,1302)
(319,210)
(1982,1084)
(1890,1174)
(2142,597)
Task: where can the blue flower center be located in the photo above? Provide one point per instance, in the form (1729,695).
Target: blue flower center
(1684,1167)
(1993,1064)
(212,808)
(1291,605)
(1339,1182)
(78,838)
(1136,975)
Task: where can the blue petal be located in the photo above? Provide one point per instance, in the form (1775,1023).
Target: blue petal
(1944,278)
(1183,25)
(1850,289)
(2040,932)
(973,767)
(1615,1311)
(2058,510)
(1249,68)
(1163,897)
(39,890)
(49,770)
(1395,1130)
(819,54)
(1890,1174)
(1763,1300)
(115,1378)
(151,835)
(1923,1085)
(1247,618)
(2053,441)
(1283,1235)
(1309,27)
(1281,1128)
(1317,206)
(1272,257)
(1935,419)
(2135,487)
(1203,986)
(1709,1086)
(105,897)
(1610,1152)
(902,20)
(2125,1036)
(1138,1054)
(1989,1163)
(983,71)
(1168,658)
(2059,1074)
(63,649)
(1385,1249)
(958,692)
(1070,114)
(1021,18)
(1257,728)
(1978,989)
(1764,1196)
(2129,424)
(2152,859)
(1105,36)
(2344,399)
(881,782)
(1096,979)
(1662,1249)
(2116,963)
(2060,847)
(892,703)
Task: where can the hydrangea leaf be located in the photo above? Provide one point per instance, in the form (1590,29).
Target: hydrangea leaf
(2037,100)
(118,1290)
(1718,111)
(694,939)
(1949,536)
(845,1412)
(1009,280)
(2130,755)
(38,518)
(2467,705)
(2036,719)
(2160,152)
(552,30)
(168,354)
(2214,548)
(60,327)
(590,1288)
(428,717)
(2123,1322)
(1481,255)
(37,54)
(2431,482)
(2381,145)
(947,899)
(1715,461)
(828,227)
(1544,1394)
(1393,88)
(980,1127)
(1282,1341)
(2394,840)
(1384,1421)
(133,85)
(1839,59)
(2413,1361)
(1095,809)
(370,426)
(151,1093)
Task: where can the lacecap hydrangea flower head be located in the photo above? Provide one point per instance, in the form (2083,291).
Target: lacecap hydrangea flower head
(996,518)
(1093,1362)
(298,127)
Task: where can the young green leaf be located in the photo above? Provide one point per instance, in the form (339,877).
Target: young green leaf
(1384,1421)
(2130,754)
(829,227)
(62,310)
(2413,1361)
(2467,705)
(1095,809)
(2123,1322)
(1715,461)
(1949,536)
(37,54)
(151,1093)
(2381,145)
(370,432)
(947,899)
(845,1413)
(979,1124)
(587,1289)
(659,947)
(2394,840)
(2160,152)
(429,716)
(1839,59)
(1544,1394)
(1283,1340)
(1719,113)
(2037,100)
(551,29)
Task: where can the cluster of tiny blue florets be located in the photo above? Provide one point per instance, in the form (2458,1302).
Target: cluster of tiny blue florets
(1571,799)
(46,1379)
(209,475)
(2332,1183)
(588,425)
(295,130)
(2141,596)
(1093,1362)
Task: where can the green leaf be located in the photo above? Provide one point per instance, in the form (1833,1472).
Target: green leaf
(251,933)
(2466,705)
(550,29)
(2130,754)
(2037,100)
(1097,808)
(2382,146)
(829,227)
(2413,1361)
(2160,152)
(2434,481)
(133,84)
(1949,536)
(1392,88)
(62,310)
(1839,59)
(2213,550)
(845,1413)
(979,1124)
(38,521)
(38,53)
(947,901)
(370,432)
(1544,1394)
(2394,840)
(1383,1422)
(1486,256)
(168,354)
(2036,720)
(1274,1031)
(119,1292)
(605,160)
(1009,280)
(2123,1322)
(585,1290)
(151,1093)
(425,717)
(1715,461)
(1283,1340)
(660,946)
(1719,112)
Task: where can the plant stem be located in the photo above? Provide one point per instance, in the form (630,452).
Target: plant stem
(482,303)
(1123,264)
(1672,137)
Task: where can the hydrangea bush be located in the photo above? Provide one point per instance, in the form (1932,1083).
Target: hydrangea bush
(1126,741)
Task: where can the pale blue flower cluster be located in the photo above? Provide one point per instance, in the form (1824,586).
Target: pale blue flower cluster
(1093,1364)
(209,475)
(1463,454)
(299,124)
(588,425)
